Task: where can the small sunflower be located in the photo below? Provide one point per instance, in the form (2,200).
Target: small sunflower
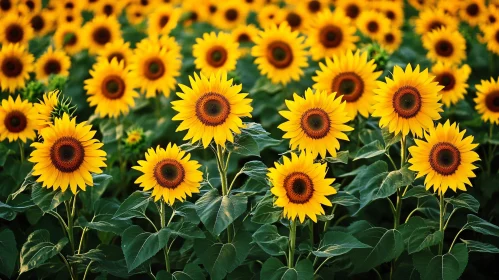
(170,173)
(300,186)
(245,35)
(491,15)
(15,64)
(393,11)
(69,17)
(111,89)
(15,29)
(432,19)
(313,7)
(449,7)
(135,14)
(409,102)
(215,52)
(445,158)
(163,20)
(16,120)
(492,37)
(52,63)
(472,11)
(297,19)
(445,45)
(373,24)
(391,39)
(163,42)
(487,100)
(421,4)
(100,31)
(352,8)
(353,78)
(453,79)
(315,123)
(331,34)
(280,54)
(118,49)
(194,11)
(270,15)
(134,136)
(32,6)
(42,23)
(230,14)
(67,156)
(67,37)
(254,5)
(211,109)
(7,7)
(108,8)
(44,109)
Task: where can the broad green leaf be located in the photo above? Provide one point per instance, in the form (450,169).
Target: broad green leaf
(270,240)
(134,206)
(482,226)
(417,192)
(93,255)
(370,150)
(29,181)
(48,199)
(218,212)
(4,153)
(422,238)
(465,200)
(190,272)
(253,139)
(344,198)
(444,267)
(187,210)
(476,246)
(92,194)
(185,230)
(337,243)
(389,138)
(365,174)
(113,263)
(38,249)
(266,212)
(19,205)
(8,249)
(244,145)
(273,269)
(460,252)
(256,170)
(341,157)
(263,84)
(105,223)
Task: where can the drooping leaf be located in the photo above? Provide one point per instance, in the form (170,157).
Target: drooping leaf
(365,174)
(270,240)
(465,200)
(19,205)
(476,246)
(341,157)
(266,212)
(370,150)
(482,226)
(256,170)
(134,206)
(38,249)
(422,238)
(337,243)
(187,210)
(344,198)
(8,249)
(48,199)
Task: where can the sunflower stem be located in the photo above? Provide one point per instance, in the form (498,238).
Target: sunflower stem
(441,228)
(222,169)
(21,150)
(163,225)
(292,242)
(398,206)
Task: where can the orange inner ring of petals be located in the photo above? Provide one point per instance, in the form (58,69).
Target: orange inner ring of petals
(407,101)
(212,109)
(67,154)
(349,86)
(445,158)
(299,187)
(279,54)
(169,173)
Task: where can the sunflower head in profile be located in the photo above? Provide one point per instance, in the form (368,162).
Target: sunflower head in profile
(118,49)
(315,123)
(487,100)
(372,24)
(300,186)
(100,31)
(270,15)
(280,54)
(472,11)
(454,80)
(245,35)
(215,52)
(445,157)
(445,45)
(68,155)
(230,14)
(408,102)
(42,23)
(15,29)
(111,88)
(353,78)
(45,109)
(391,39)
(432,19)
(211,109)
(491,36)
(170,173)
(16,120)
(163,20)
(351,8)
(52,62)
(15,64)
(68,38)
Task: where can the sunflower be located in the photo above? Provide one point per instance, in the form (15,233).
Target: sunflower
(100,31)
(44,109)
(69,17)
(280,54)
(134,136)
(111,88)
(169,173)
(214,52)
(313,7)
(491,16)
(70,5)
(331,34)
(254,5)
(230,14)
(211,109)
(67,156)
(372,24)
(155,69)
(453,79)
(448,7)
(352,77)
(67,37)
(32,6)
(15,29)
(432,19)
(245,35)
(297,19)
(487,100)
(391,39)
(408,102)
(163,42)
(492,37)
(300,186)
(270,15)
(422,4)
(42,23)
(135,13)
(393,11)
(15,64)
(472,11)
(352,8)
(52,63)
(7,7)
(445,158)
(109,7)
(163,20)
(441,47)
(195,12)
(16,120)
(118,49)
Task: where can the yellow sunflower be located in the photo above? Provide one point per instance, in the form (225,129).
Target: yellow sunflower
(16,120)
(491,36)
(42,23)
(297,19)
(421,4)
(109,7)
(280,54)
(230,14)
(300,186)
(215,52)
(391,39)
(445,158)
(472,11)
(353,78)
(352,8)
(432,19)
(100,31)
(111,89)
(170,173)
(245,35)
(491,15)
(15,64)
(134,136)
(211,109)
(372,24)
(313,7)
(449,7)
(270,15)
(254,5)
(487,100)
(118,49)
(163,20)
(67,37)
(15,29)
(32,6)
(453,79)
(163,42)
(44,109)
(155,70)
(69,17)
(393,11)
(7,7)
(52,63)
(194,11)
(315,123)
(135,13)
(445,45)
(67,156)
(331,34)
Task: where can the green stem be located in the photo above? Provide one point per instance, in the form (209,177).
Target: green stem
(377,273)
(326,224)
(455,238)
(441,228)
(21,150)
(86,270)
(391,160)
(67,204)
(163,225)
(223,180)
(292,243)
(81,240)
(320,266)
(67,266)
(491,147)
(152,223)
(410,214)
(398,207)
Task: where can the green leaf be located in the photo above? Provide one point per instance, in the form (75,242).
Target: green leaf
(93,255)
(465,200)
(476,246)
(218,212)
(48,199)
(185,230)
(337,243)
(341,157)
(389,138)
(370,150)
(8,248)
(482,226)
(422,238)
(29,181)
(105,223)
(449,266)
(253,139)
(187,210)
(38,249)
(90,197)
(266,212)
(256,170)
(417,192)
(190,272)
(134,206)
(344,198)
(460,252)
(19,205)
(270,240)
(365,174)
(273,269)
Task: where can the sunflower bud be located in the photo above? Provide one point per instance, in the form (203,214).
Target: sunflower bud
(380,55)
(56,82)
(33,91)
(63,106)
(135,141)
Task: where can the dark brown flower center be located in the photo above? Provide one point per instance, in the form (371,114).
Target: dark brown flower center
(14,33)
(70,39)
(154,69)
(163,21)
(169,173)
(407,102)
(144,2)
(473,9)
(37,22)
(492,101)
(299,187)
(349,86)
(5,5)
(52,66)
(294,20)
(108,9)
(492,19)
(69,5)
(390,15)
(212,8)
(389,38)
(113,87)
(30,4)
(119,56)
(445,158)
(447,80)
(231,14)
(15,121)
(315,123)
(435,25)
(69,18)
(212,109)
(67,154)
(372,26)
(279,54)
(497,36)
(314,6)
(330,36)
(194,16)
(12,67)
(216,56)
(243,38)
(352,11)
(101,35)
(444,48)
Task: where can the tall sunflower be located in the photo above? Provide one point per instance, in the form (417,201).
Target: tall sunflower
(280,54)
(441,47)
(67,156)
(15,64)
(409,102)
(170,173)
(372,24)
(487,100)
(215,52)
(492,37)
(432,19)
(100,31)
(453,79)
(352,8)
(15,29)
(68,38)
(445,158)
(16,120)
(118,49)
(472,11)
(315,123)
(163,20)
(270,15)
(331,34)
(353,78)
(211,109)
(230,14)
(52,63)
(44,109)
(300,186)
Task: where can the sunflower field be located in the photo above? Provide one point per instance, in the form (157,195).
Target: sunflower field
(249,139)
